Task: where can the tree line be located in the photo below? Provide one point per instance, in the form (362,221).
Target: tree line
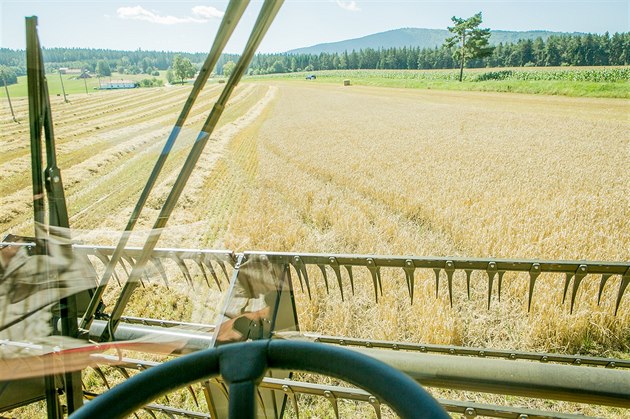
(557,50)
(98,61)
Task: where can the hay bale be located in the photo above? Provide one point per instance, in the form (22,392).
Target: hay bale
(346,82)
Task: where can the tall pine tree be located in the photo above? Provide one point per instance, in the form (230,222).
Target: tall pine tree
(469,40)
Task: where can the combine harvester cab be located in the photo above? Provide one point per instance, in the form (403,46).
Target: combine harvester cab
(67,337)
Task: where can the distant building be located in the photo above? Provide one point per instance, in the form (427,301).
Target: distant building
(118,84)
(66,70)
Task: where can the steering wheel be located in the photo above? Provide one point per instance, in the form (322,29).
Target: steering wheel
(243,365)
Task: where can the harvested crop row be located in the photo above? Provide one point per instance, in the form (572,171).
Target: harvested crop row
(71,126)
(96,160)
(80,105)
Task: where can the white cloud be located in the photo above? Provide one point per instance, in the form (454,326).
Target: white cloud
(140,13)
(207,12)
(348,5)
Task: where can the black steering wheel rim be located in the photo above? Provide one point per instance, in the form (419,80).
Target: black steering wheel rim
(243,365)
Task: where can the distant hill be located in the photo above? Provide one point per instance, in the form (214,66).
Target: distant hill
(416,37)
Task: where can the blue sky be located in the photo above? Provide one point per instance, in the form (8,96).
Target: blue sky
(191,25)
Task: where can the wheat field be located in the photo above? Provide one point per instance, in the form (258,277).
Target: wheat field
(379,171)
(300,166)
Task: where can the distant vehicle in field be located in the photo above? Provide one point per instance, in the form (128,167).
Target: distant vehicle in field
(311,77)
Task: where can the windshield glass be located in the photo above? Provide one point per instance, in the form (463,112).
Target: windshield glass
(456,184)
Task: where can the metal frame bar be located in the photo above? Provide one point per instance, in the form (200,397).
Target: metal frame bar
(40,119)
(574,271)
(543,357)
(494,268)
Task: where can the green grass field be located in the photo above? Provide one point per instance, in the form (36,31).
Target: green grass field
(575,82)
(72,84)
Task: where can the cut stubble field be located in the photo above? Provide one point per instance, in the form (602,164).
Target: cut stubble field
(307,167)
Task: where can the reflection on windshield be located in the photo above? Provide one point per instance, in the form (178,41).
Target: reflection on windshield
(259,302)
(33,279)
(35,275)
